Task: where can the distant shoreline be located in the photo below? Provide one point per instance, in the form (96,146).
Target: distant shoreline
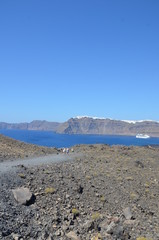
(87,134)
(90,125)
(56,140)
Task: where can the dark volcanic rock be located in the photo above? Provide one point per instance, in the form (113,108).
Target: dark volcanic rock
(110,180)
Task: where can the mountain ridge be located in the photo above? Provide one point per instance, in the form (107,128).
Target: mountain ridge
(41,125)
(106,126)
(90,125)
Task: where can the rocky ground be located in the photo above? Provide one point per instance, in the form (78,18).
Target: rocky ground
(108,193)
(11,149)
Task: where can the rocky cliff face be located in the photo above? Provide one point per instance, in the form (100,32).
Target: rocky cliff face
(89,125)
(86,125)
(34,125)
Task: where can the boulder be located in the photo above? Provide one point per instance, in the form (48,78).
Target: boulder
(22,195)
(72,235)
(127,213)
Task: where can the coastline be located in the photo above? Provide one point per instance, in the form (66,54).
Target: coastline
(57,141)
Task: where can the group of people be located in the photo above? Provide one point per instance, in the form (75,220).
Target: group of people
(66,150)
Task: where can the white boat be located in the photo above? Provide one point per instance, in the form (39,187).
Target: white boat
(142,136)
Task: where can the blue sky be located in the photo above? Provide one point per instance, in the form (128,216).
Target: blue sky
(63,58)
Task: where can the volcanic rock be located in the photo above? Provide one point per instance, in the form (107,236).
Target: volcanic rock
(22,195)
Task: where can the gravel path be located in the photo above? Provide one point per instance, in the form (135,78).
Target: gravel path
(36,161)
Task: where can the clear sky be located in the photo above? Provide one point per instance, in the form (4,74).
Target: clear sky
(63,58)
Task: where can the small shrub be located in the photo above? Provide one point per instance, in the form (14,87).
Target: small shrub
(146,185)
(88,177)
(119,179)
(102,198)
(75,212)
(96,215)
(133,196)
(50,190)
(97,237)
(143,238)
(129,178)
(147,191)
(21,175)
(107,175)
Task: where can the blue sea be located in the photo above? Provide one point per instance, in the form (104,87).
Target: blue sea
(51,139)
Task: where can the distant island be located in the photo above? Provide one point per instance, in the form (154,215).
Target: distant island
(90,125)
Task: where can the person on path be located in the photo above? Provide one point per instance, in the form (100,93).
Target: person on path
(64,150)
(67,151)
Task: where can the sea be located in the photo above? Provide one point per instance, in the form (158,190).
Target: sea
(51,139)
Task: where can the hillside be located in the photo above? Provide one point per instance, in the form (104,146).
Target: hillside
(12,149)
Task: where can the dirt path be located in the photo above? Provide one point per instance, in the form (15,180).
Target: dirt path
(36,161)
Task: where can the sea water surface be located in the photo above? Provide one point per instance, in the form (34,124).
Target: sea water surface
(51,139)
